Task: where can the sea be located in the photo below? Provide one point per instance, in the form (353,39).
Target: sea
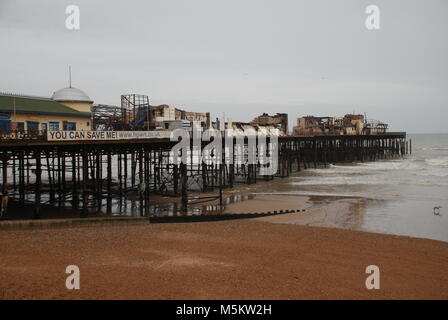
(406,196)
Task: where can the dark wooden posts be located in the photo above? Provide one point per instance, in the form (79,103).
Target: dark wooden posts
(184,180)
(142,185)
(85,180)
(37,189)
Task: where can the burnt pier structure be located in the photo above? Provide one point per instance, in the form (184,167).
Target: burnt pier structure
(86,177)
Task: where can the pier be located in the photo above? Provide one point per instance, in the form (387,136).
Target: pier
(86,176)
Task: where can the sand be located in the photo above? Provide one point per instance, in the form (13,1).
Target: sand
(345,213)
(269,202)
(238,259)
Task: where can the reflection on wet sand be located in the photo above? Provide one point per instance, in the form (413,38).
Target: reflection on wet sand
(203,204)
(346,213)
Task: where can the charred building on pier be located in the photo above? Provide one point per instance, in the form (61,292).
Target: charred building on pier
(136,113)
(350,124)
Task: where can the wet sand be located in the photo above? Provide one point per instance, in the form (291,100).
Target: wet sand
(239,259)
(337,212)
(269,203)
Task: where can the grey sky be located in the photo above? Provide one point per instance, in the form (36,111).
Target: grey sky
(240,57)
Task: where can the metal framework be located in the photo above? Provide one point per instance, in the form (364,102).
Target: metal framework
(135,111)
(105,117)
(133,114)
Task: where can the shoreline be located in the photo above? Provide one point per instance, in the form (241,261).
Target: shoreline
(340,212)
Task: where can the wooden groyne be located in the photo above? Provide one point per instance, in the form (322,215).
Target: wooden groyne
(87,175)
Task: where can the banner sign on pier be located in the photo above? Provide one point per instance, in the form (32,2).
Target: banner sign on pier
(105,135)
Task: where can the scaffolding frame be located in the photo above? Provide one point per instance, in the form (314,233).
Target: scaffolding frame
(135,112)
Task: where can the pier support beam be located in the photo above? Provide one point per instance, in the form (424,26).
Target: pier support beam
(184,180)
(37,187)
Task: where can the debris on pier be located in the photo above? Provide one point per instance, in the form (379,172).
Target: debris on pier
(350,124)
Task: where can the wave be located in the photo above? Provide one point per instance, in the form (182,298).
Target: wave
(416,165)
(361,168)
(339,171)
(371,181)
(438,162)
(376,196)
(432,174)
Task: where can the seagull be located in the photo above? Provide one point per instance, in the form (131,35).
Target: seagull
(437,210)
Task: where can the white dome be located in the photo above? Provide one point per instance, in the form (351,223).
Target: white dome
(71,94)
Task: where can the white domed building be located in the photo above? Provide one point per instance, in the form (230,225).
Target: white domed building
(68,109)
(73,98)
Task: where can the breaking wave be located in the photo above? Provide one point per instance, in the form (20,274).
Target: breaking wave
(372,167)
(438,162)
(368,181)
(432,174)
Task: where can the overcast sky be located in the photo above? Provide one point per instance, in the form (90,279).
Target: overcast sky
(238,57)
